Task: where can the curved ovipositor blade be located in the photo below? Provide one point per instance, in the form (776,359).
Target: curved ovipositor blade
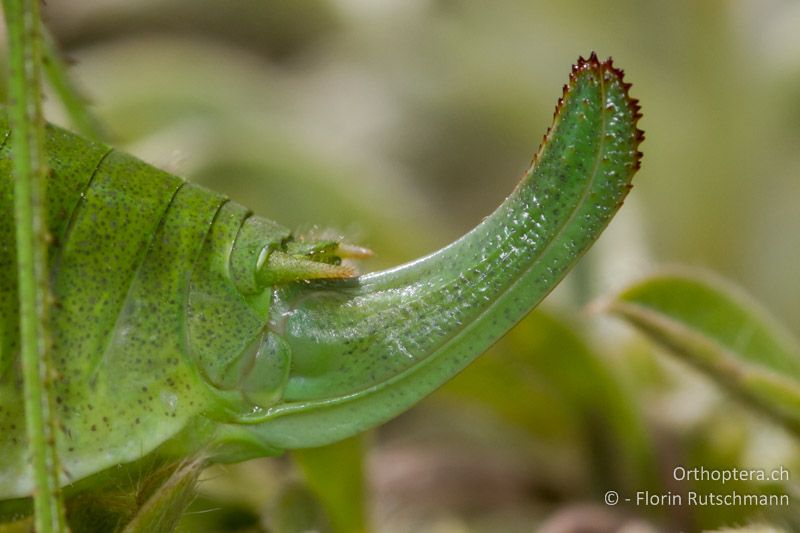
(364,350)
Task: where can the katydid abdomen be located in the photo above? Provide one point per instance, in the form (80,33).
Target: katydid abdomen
(181,319)
(141,279)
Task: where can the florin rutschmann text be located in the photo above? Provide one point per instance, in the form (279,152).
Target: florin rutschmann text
(693,498)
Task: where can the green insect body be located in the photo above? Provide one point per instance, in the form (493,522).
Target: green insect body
(183,322)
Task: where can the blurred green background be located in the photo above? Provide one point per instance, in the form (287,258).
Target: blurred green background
(399,125)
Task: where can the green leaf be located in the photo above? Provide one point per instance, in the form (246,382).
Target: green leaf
(721,331)
(334,473)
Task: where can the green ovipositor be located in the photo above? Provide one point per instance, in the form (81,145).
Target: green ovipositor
(183,322)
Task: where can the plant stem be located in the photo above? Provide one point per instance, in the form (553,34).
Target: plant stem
(75,103)
(25,116)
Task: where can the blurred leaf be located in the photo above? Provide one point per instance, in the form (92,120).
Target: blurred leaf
(297,510)
(721,441)
(20,526)
(233,497)
(213,516)
(335,475)
(543,378)
(280,30)
(724,333)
